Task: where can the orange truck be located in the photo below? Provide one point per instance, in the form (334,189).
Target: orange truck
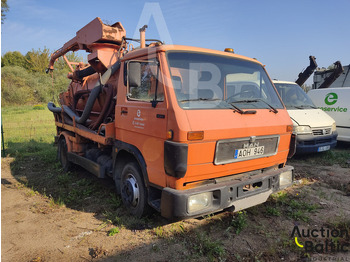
(187,131)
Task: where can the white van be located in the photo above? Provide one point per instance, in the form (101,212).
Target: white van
(336,103)
(315,130)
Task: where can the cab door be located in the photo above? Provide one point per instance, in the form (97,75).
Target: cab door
(141,114)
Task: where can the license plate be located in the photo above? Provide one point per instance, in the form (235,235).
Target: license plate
(323,148)
(249,152)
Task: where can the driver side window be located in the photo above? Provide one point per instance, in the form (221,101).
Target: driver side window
(148,84)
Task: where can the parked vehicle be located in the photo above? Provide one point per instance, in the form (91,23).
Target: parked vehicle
(331,93)
(185,130)
(337,76)
(335,102)
(314,129)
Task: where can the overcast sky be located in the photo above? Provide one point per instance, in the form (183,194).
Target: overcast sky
(280,34)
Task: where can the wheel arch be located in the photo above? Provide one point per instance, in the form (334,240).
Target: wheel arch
(65,135)
(124,153)
(64,146)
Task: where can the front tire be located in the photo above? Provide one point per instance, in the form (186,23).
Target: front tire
(133,190)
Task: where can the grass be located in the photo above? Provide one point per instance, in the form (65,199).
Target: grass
(338,156)
(29,135)
(113,218)
(29,132)
(159,232)
(239,222)
(113,231)
(273,211)
(341,223)
(56,202)
(293,207)
(22,124)
(203,245)
(172,232)
(31,192)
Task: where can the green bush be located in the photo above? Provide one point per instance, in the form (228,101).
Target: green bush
(19,87)
(13,59)
(38,107)
(113,231)
(23,78)
(14,86)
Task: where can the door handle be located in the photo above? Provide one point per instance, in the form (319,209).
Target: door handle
(124,110)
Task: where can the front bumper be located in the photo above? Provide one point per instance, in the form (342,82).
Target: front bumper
(311,144)
(236,192)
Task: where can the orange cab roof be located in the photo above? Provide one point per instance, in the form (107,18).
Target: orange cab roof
(163,48)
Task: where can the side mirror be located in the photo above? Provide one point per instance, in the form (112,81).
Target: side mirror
(134,74)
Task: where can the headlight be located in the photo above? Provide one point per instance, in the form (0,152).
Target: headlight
(286,178)
(334,127)
(302,130)
(199,202)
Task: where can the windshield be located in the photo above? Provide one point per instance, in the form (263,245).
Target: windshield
(293,96)
(204,81)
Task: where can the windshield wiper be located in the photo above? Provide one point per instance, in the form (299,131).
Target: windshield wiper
(241,111)
(199,99)
(259,100)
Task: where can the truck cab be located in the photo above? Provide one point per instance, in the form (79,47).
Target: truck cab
(201,119)
(315,130)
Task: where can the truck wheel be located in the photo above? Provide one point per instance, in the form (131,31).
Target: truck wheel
(133,191)
(62,155)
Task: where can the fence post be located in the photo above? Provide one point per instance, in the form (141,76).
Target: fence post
(2,140)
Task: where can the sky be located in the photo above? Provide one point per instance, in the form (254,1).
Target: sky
(281,34)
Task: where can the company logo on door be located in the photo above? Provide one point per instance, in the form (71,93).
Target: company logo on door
(331,99)
(138,121)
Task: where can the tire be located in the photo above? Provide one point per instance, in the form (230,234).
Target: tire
(133,190)
(62,151)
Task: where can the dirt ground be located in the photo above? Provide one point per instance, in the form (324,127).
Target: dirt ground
(33,228)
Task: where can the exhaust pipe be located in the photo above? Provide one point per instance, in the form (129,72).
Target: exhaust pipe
(143,36)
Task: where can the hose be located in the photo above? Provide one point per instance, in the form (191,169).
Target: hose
(51,106)
(85,72)
(93,95)
(98,121)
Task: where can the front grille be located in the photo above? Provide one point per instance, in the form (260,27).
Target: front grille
(225,149)
(323,141)
(317,142)
(321,131)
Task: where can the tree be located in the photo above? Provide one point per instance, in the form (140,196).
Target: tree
(19,86)
(37,60)
(13,59)
(306,87)
(61,65)
(23,78)
(4,9)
